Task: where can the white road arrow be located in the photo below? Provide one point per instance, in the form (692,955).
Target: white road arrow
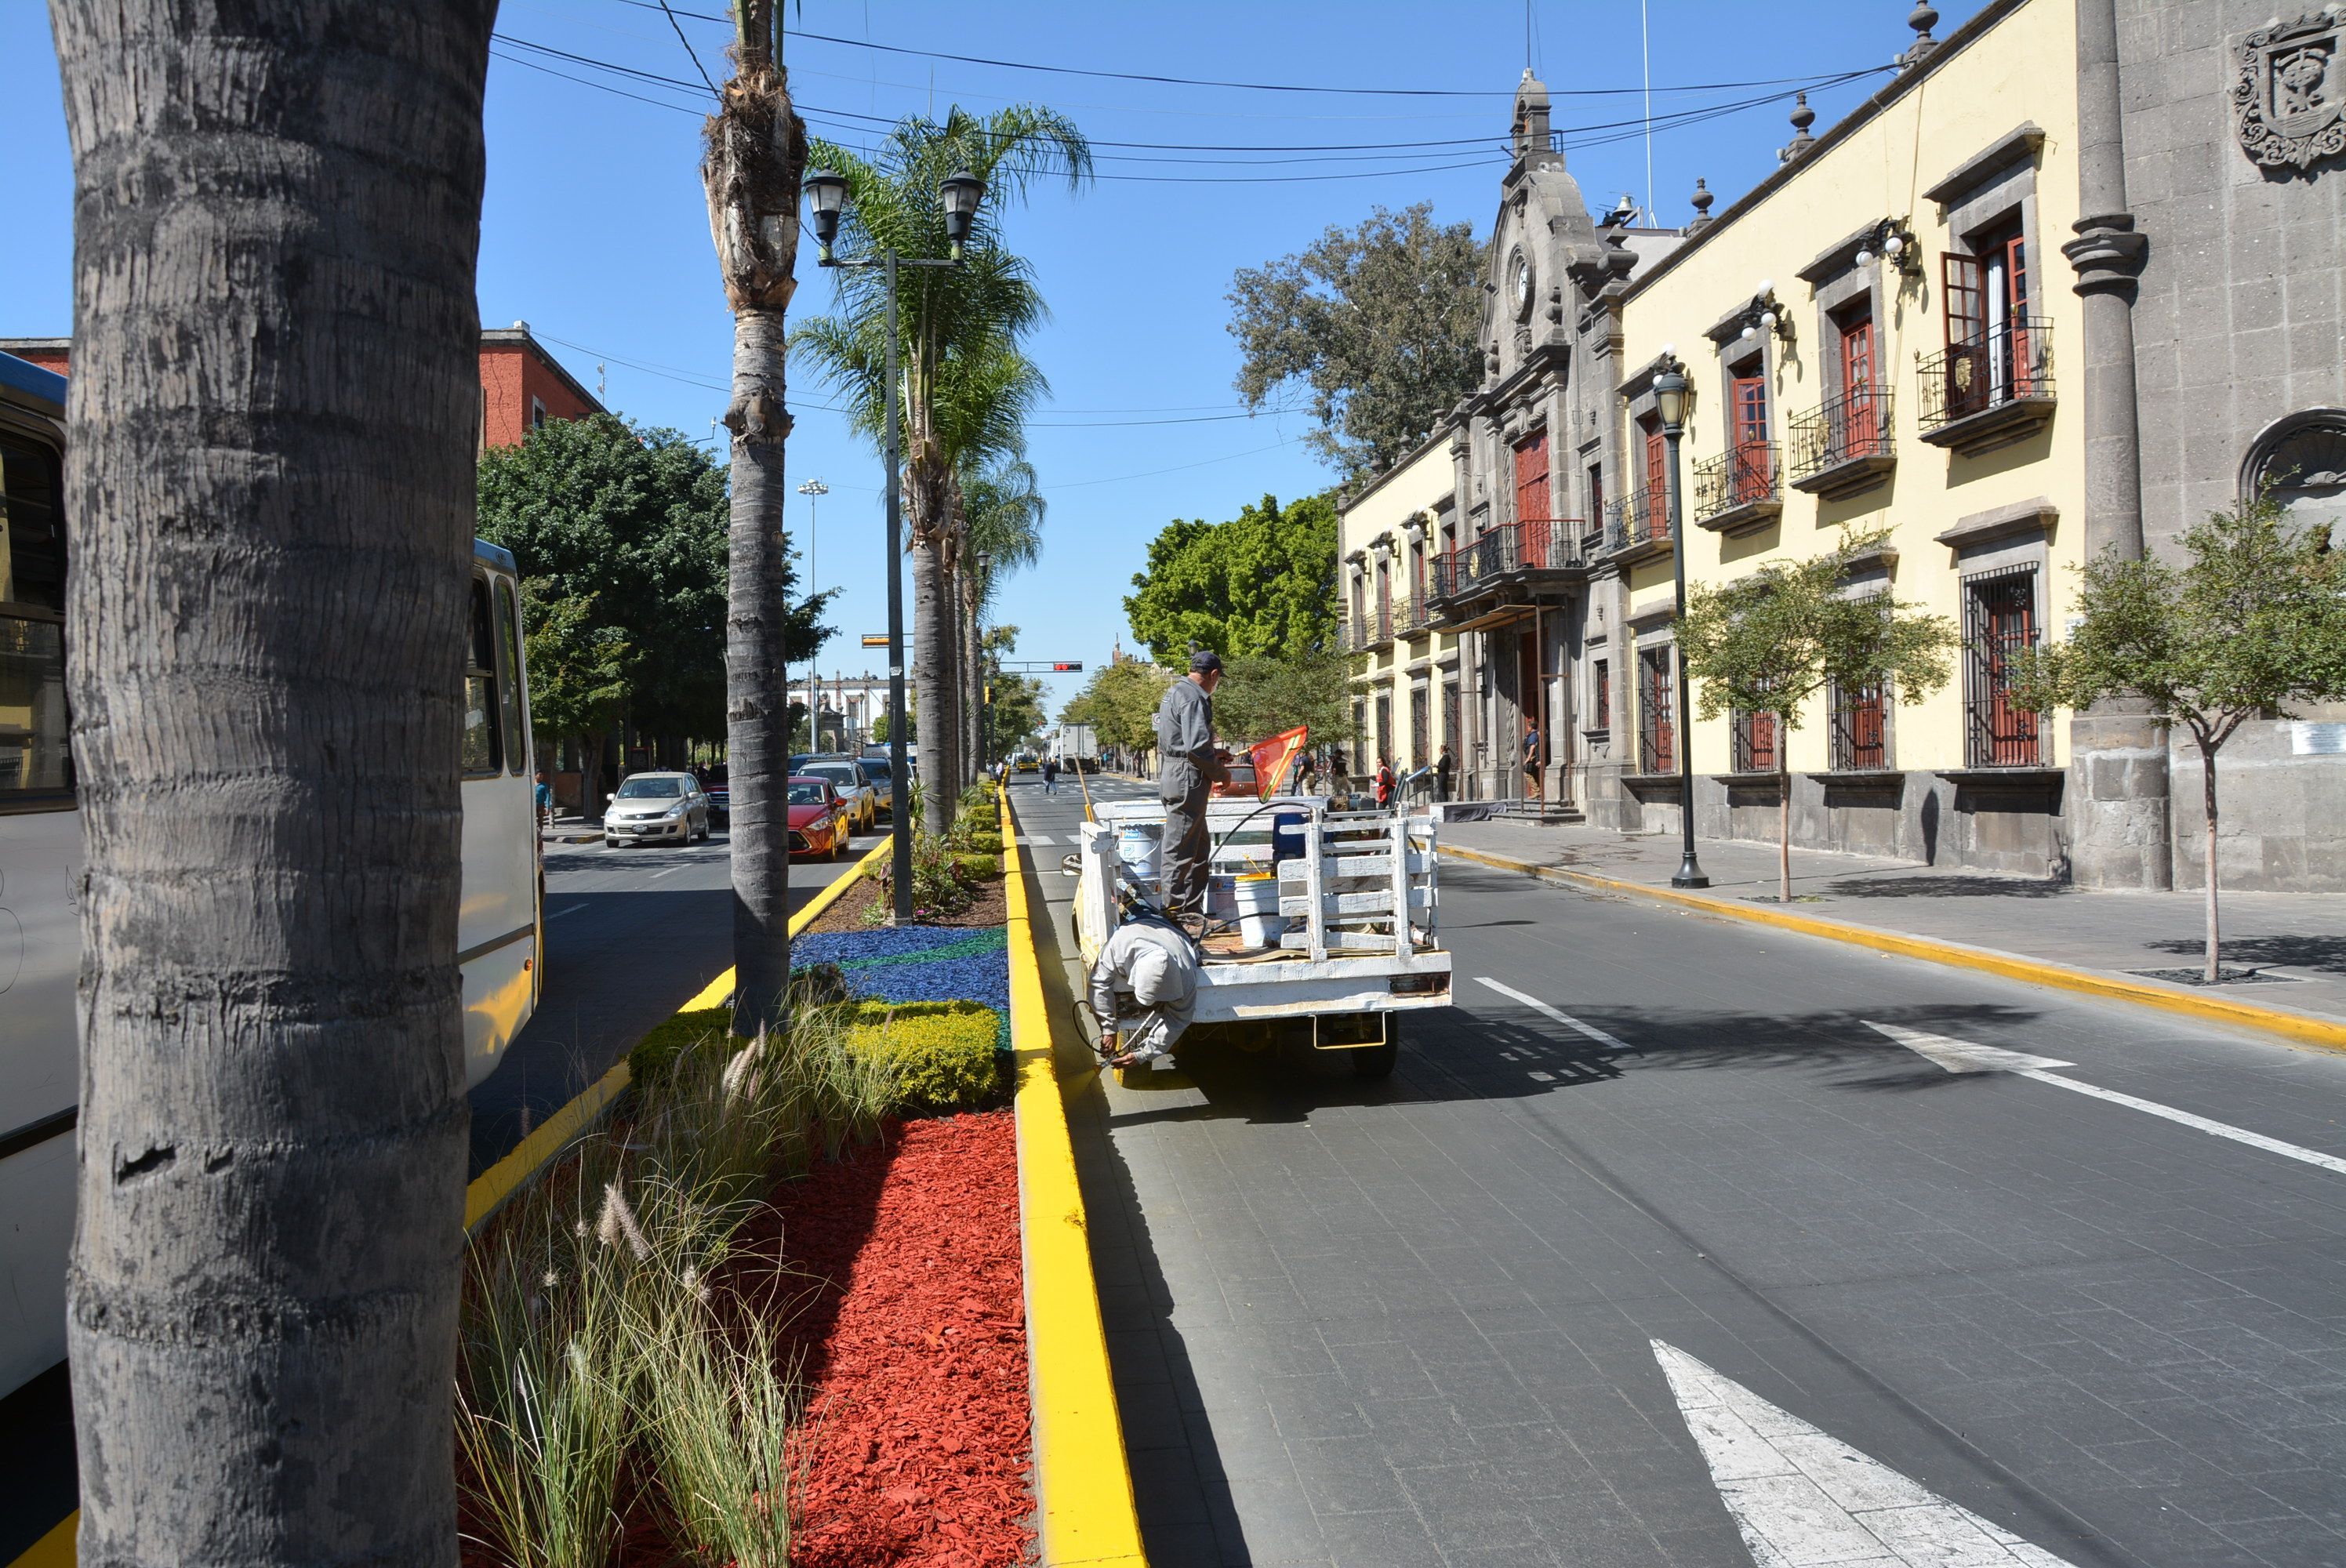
(1964,1056)
(1800,1497)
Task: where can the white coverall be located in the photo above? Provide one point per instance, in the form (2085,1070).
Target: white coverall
(1145,986)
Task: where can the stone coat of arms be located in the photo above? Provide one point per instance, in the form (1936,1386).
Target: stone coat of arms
(2291,92)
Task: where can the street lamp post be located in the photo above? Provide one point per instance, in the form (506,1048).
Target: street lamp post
(1670,401)
(811,489)
(827,196)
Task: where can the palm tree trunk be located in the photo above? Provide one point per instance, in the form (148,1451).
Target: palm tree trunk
(974,673)
(273,412)
(756,151)
(932,692)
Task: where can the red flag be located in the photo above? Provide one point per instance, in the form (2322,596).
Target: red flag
(1273,758)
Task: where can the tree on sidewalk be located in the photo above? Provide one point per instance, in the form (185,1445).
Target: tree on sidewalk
(2253,623)
(577,666)
(1262,584)
(1762,646)
(1119,702)
(271,426)
(755,154)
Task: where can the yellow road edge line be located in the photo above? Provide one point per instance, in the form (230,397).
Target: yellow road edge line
(2319,1032)
(1083,1477)
(489,1191)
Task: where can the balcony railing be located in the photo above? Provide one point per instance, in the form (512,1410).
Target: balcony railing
(1738,488)
(1534,545)
(1845,444)
(1996,386)
(1411,614)
(1639,523)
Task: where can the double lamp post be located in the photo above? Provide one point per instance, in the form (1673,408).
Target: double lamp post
(826,196)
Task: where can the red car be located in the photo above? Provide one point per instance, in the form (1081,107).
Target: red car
(1239,783)
(819,825)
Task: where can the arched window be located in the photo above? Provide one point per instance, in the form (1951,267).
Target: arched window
(2303,458)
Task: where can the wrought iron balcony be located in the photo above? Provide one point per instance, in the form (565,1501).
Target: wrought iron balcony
(1992,391)
(1847,444)
(1411,614)
(1738,490)
(1513,556)
(1638,525)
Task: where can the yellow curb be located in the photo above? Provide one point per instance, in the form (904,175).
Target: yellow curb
(488,1191)
(1082,1480)
(2298,1027)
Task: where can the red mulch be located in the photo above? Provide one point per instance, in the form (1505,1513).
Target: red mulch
(915,1348)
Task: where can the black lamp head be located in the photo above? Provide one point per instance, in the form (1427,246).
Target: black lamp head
(961,192)
(827,195)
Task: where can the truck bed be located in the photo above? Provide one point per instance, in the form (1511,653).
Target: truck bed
(1361,902)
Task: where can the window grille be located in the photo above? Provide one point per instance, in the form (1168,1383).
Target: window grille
(1656,752)
(1999,622)
(1860,739)
(1755,740)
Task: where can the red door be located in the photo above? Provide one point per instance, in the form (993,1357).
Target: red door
(2011,627)
(1965,303)
(1532,506)
(1753,476)
(1654,504)
(1860,428)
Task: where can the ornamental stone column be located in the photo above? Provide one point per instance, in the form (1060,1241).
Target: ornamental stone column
(2120,834)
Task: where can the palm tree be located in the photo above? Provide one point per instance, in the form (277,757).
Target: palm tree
(1001,512)
(955,328)
(756,153)
(272,427)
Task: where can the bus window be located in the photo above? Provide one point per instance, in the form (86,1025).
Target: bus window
(509,679)
(36,748)
(480,748)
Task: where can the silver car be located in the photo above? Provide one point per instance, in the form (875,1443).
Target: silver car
(654,808)
(862,801)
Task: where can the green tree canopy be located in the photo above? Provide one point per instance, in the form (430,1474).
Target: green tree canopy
(577,665)
(1119,702)
(1767,643)
(1260,696)
(629,522)
(2252,624)
(1263,585)
(1379,323)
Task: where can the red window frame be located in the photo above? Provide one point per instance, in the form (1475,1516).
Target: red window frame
(1861,430)
(1656,521)
(1746,400)
(1531,478)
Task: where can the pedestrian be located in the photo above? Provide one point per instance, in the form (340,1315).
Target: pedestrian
(1050,775)
(1446,767)
(1384,783)
(1187,769)
(1307,774)
(1533,789)
(545,802)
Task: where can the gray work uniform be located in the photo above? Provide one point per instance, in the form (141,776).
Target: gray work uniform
(1146,983)
(1185,741)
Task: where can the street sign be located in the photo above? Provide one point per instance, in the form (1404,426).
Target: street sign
(875,639)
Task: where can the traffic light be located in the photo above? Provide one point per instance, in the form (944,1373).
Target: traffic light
(1076,665)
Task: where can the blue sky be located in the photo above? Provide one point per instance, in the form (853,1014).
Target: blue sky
(594,229)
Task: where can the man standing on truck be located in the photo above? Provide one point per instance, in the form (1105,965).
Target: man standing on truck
(1187,771)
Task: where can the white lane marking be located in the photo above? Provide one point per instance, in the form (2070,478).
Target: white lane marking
(1939,1048)
(1566,1019)
(1801,1497)
(1038,837)
(574,909)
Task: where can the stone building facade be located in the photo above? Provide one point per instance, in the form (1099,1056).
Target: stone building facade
(2090,285)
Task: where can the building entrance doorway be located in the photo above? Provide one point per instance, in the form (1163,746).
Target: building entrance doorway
(1527,692)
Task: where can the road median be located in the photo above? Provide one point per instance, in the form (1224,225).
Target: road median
(1083,1479)
(2299,1028)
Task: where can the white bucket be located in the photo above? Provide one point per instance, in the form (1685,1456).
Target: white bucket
(1137,847)
(1261,929)
(1256,894)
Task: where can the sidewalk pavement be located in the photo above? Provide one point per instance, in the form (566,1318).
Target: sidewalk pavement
(2293,943)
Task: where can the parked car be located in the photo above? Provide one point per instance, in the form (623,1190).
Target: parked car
(818,819)
(846,777)
(877,774)
(718,788)
(653,807)
(1239,783)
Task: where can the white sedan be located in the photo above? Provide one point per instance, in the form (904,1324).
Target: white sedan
(653,807)
(862,801)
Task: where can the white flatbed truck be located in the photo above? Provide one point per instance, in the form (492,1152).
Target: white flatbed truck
(1356,890)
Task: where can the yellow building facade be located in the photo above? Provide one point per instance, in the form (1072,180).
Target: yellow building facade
(1405,673)
(1880,339)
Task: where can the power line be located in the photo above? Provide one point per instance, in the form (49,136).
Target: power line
(1245,86)
(690,50)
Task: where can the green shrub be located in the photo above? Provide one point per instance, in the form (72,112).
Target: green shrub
(942,1051)
(648,1063)
(976,843)
(977,868)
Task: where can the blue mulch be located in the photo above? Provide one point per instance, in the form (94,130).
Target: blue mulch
(917,963)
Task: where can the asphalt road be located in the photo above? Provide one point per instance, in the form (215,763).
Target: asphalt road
(631,935)
(1657,1250)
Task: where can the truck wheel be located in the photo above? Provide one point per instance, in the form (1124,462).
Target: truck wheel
(1374,1062)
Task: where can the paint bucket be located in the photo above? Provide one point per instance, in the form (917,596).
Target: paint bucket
(1256,894)
(1138,846)
(1221,899)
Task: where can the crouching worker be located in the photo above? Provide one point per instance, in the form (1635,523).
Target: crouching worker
(1144,992)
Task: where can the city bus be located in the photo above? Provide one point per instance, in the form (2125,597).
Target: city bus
(499,924)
